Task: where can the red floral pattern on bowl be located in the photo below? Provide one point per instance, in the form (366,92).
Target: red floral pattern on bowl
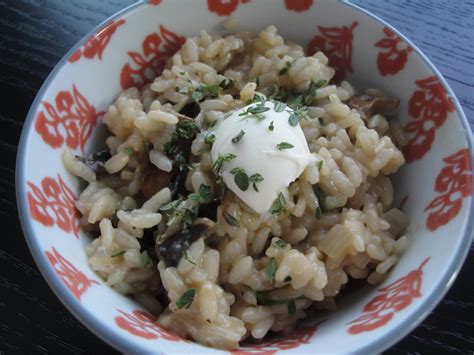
(75,280)
(429,106)
(95,46)
(392,299)
(52,204)
(453,183)
(336,44)
(156,49)
(69,121)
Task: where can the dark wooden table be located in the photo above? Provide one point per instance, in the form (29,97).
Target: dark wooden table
(35,34)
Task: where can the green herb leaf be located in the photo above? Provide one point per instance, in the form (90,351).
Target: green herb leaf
(170,148)
(321,83)
(321,197)
(279,205)
(204,196)
(293,120)
(279,244)
(271,127)
(257,81)
(118,254)
(220,161)
(291,308)
(284,145)
(127,151)
(284,70)
(231,220)
(238,137)
(186,299)
(170,206)
(226,83)
(271,268)
(320,164)
(279,106)
(255,179)
(241,179)
(187,129)
(255,111)
(188,258)
(211,89)
(210,139)
(197,95)
(144,259)
(319,212)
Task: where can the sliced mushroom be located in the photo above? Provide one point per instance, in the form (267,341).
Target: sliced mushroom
(368,105)
(96,161)
(154,180)
(171,249)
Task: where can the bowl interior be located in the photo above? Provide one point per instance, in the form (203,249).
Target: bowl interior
(433,188)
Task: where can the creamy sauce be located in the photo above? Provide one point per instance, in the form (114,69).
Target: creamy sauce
(257,152)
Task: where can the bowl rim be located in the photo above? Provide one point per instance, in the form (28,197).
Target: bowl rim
(111,336)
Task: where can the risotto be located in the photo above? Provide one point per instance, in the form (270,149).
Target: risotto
(173,213)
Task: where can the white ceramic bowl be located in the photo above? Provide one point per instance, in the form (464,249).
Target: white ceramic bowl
(131,47)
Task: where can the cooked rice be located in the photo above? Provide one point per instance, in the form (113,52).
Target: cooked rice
(357,237)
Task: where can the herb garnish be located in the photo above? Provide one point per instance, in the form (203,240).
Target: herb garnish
(279,106)
(238,137)
(271,268)
(271,127)
(203,196)
(257,81)
(279,205)
(210,139)
(255,179)
(203,90)
(183,90)
(231,220)
(279,244)
(170,148)
(188,258)
(127,151)
(284,70)
(144,259)
(321,198)
(186,299)
(284,145)
(220,161)
(255,111)
(241,179)
(226,83)
(320,164)
(186,129)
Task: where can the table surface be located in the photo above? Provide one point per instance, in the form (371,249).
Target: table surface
(35,34)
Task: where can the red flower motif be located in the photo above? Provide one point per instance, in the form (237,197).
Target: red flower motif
(224,7)
(454,182)
(53,204)
(429,106)
(394,59)
(95,46)
(74,279)
(280,342)
(154,2)
(157,48)
(71,120)
(393,298)
(144,325)
(298,5)
(336,44)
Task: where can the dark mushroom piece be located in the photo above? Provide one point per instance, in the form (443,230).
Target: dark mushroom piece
(172,249)
(96,162)
(154,179)
(369,106)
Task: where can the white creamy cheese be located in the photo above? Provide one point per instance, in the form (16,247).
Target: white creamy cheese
(257,152)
